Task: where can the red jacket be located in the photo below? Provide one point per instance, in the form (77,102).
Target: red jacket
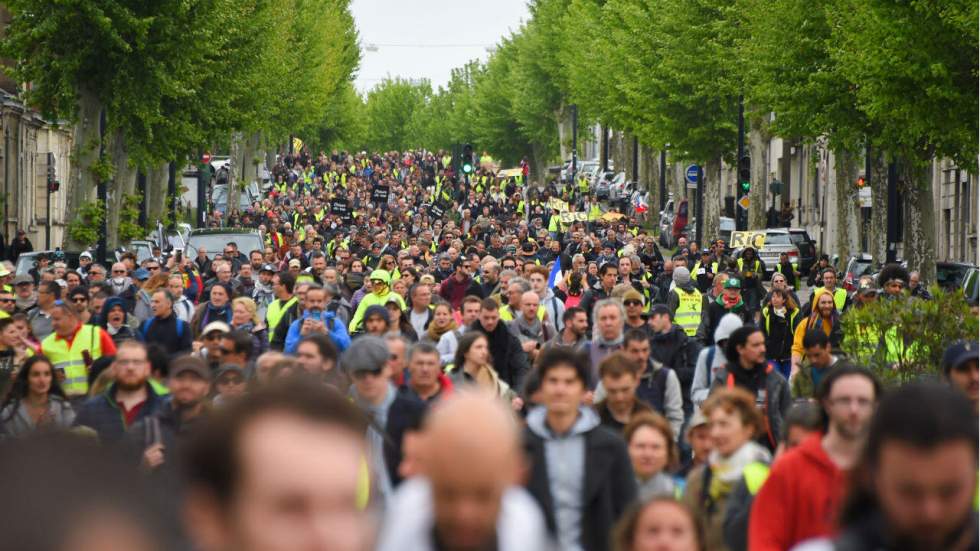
(800,499)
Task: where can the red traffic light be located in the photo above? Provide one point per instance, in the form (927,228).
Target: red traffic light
(206,158)
(860,181)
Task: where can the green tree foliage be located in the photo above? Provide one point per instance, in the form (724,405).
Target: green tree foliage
(913,67)
(389,110)
(904,339)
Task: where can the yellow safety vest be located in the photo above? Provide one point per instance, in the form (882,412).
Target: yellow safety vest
(505,314)
(840,297)
(72,358)
(688,314)
(594,213)
(275,312)
(755,475)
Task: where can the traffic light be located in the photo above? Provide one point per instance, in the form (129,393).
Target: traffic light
(53,184)
(467,159)
(745,173)
(861,182)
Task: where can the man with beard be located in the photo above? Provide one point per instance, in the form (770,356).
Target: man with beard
(161,435)
(127,400)
(73,347)
(806,486)
(916,481)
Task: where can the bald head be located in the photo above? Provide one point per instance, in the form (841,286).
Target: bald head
(472,455)
(529,304)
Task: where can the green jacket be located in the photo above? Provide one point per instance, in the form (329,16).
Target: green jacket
(802,384)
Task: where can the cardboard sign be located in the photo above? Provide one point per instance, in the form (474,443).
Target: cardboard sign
(557,204)
(436,211)
(742,239)
(379,195)
(572,217)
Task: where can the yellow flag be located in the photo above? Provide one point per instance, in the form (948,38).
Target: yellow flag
(297,145)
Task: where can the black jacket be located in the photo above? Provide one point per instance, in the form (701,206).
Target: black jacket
(509,359)
(172,334)
(679,352)
(609,484)
(404,415)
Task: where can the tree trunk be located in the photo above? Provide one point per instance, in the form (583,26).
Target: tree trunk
(234,171)
(712,202)
(758,151)
(250,171)
(845,173)
(878,221)
(649,176)
(564,117)
(156,193)
(538,170)
(82,182)
(919,235)
(123,185)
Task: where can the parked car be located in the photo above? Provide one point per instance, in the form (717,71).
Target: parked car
(807,246)
(778,241)
(143,248)
(617,187)
(26,261)
(248,195)
(857,266)
(953,275)
(971,290)
(214,240)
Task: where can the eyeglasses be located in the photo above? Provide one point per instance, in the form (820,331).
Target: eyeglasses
(633,302)
(79,299)
(119,271)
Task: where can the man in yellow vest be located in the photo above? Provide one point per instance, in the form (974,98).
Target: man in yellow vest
(73,347)
(685,302)
(283,310)
(829,278)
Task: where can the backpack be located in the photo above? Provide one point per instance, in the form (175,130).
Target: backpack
(145,327)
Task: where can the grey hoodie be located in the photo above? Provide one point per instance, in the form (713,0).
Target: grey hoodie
(565,456)
(554,307)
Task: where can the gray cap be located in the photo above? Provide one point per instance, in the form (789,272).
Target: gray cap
(192,364)
(682,276)
(229,368)
(366,354)
(23,278)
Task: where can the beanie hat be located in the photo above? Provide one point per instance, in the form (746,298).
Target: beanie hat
(682,276)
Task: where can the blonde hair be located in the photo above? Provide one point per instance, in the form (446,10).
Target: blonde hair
(249,305)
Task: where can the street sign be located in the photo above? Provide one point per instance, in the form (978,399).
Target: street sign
(864,196)
(776,187)
(691,174)
(743,202)
(742,239)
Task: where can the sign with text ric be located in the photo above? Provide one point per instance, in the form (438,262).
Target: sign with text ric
(691,174)
(742,239)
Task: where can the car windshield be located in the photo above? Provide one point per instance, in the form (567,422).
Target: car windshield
(798,238)
(950,276)
(214,243)
(778,239)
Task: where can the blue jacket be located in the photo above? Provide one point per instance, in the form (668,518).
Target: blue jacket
(337,332)
(102,414)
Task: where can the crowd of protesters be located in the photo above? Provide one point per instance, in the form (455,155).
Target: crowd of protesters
(424,359)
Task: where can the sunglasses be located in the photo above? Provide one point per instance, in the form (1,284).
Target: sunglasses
(7,300)
(79,299)
(119,271)
(633,303)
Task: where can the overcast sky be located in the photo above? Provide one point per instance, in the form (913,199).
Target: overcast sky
(399,27)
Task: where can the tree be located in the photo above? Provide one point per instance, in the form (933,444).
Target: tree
(389,109)
(914,69)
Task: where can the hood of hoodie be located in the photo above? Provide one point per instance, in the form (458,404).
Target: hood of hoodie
(726,326)
(587,420)
(812,451)
(109,304)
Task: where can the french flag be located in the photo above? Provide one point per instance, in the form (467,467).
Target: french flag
(556,274)
(641,205)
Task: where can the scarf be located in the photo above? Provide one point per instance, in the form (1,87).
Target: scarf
(726,471)
(603,343)
(435,333)
(731,304)
(214,313)
(533,330)
(781,312)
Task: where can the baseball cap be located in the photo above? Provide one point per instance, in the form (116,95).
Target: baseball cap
(219,326)
(229,368)
(960,352)
(733,283)
(867,286)
(4,271)
(193,364)
(86,254)
(697,420)
(141,274)
(367,354)
(295,262)
(22,279)
(659,310)
(268,268)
